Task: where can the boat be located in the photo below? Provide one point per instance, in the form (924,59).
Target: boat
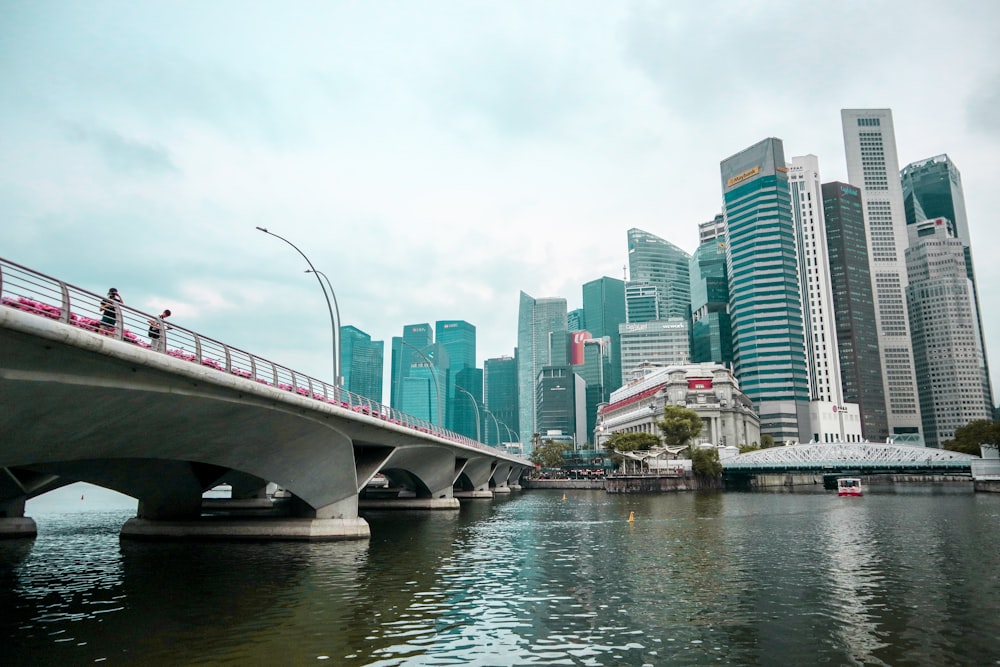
(849,486)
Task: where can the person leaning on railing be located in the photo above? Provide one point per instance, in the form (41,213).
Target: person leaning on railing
(109,310)
(156,328)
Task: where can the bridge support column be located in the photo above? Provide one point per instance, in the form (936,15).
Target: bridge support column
(478,471)
(420,478)
(13,523)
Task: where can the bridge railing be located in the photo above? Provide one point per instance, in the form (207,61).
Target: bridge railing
(33,292)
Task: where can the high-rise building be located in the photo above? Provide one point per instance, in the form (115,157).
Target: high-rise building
(559,399)
(656,343)
(419,374)
(642,301)
(872,166)
(458,338)
(765,301)
(500,384)
(361,362)
(854,307)
(590,359)
(711,330)
(932,188)
(604,310)
(665,266)
(541,342)
(467,402)
(576,320)
(814,280)
(947,349)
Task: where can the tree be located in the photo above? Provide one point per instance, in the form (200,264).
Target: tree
(744,449)
(969,437)
(679,425)
(629,442)
(549,454)
(705,461)
(766,441)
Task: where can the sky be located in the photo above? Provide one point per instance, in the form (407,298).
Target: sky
(434,159)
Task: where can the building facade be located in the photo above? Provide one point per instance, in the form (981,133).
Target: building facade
(660,263)
(854,307)
(711,390)
(711,329)
(500,397)
(560,396)
(873,167)
(539,323)
(458,338)
(657,343)
(604,310)
(361,360)
(765,300)
(947,347)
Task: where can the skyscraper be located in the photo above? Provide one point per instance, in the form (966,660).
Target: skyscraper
(854,307)
(765,301)
(657,343)
(361,363)
(711,329)
(500,381)
(458,338)
(642,301)
(665,266)
(604,310)
(872,166)
(947,350)
(419,374)
(541,342)
(932,188)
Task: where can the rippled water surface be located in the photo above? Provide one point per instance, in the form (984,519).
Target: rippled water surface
(902,576)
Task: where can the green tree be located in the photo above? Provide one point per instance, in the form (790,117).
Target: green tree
(679,425)
(629,442)
(969,437)
(766,441)
(549,454)
(705,461)
(745,449)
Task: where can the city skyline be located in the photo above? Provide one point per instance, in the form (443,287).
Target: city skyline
(435,170)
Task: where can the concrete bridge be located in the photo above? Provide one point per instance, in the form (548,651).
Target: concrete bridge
(840,459)
(90,400)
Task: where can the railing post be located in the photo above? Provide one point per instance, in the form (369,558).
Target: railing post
(64,315)
(197,347)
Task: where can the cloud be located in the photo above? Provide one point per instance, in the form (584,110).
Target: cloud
(123,155)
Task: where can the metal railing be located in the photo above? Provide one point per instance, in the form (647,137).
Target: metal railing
(27,290)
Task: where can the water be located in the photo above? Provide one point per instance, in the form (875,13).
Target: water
(902,576)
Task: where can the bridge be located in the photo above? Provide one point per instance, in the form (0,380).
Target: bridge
(88,399)
(864,458)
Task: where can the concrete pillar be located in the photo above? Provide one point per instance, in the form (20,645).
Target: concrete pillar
(13,523)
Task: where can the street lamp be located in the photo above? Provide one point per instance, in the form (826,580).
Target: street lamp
(430,369)
(338,380)
(476,406)
(333,323)
(495,423)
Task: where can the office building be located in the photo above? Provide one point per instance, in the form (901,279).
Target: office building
(541,342)
(559,406)
(932,188)
(765,301)
(872,166)
(663,265)
(458,338)
(604,310)
(500,397)
(854,307)
(711,330)
(419,374)
(361,361)
(656,343)
(947,348)
(642,301)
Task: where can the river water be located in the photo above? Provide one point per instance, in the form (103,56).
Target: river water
(906,575)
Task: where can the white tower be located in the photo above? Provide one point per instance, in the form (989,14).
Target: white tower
(872,166)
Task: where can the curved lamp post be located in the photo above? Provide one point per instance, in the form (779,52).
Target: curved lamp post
(333,323)
(495,423)
(476,406)
(339,380)
(430,369)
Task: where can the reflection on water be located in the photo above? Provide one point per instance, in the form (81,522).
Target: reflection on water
(899,576)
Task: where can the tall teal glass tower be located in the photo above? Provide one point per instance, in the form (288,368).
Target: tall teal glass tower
(500,380)
(419,374)
(765,300)
(604,310)
(663,265)
(711,329)
(458,338)
(361,361)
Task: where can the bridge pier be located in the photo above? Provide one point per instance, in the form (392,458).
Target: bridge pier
(13,523)
(238,528)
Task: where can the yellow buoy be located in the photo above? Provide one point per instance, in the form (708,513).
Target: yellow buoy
(564,496)
(631,517)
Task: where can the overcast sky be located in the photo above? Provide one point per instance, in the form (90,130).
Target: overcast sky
(435,158)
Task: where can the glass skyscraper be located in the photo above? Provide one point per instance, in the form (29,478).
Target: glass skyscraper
(854,307)
(501,400)
(458,338)
(541,342)
(361,362)
(932,188)
(765,300)
(662,264)
(419,374)
(604,310)
(711,330)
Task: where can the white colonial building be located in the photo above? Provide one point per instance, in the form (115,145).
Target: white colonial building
(709,389)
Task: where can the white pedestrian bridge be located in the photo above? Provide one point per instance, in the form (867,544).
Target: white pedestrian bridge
(92,401)
(861,458)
